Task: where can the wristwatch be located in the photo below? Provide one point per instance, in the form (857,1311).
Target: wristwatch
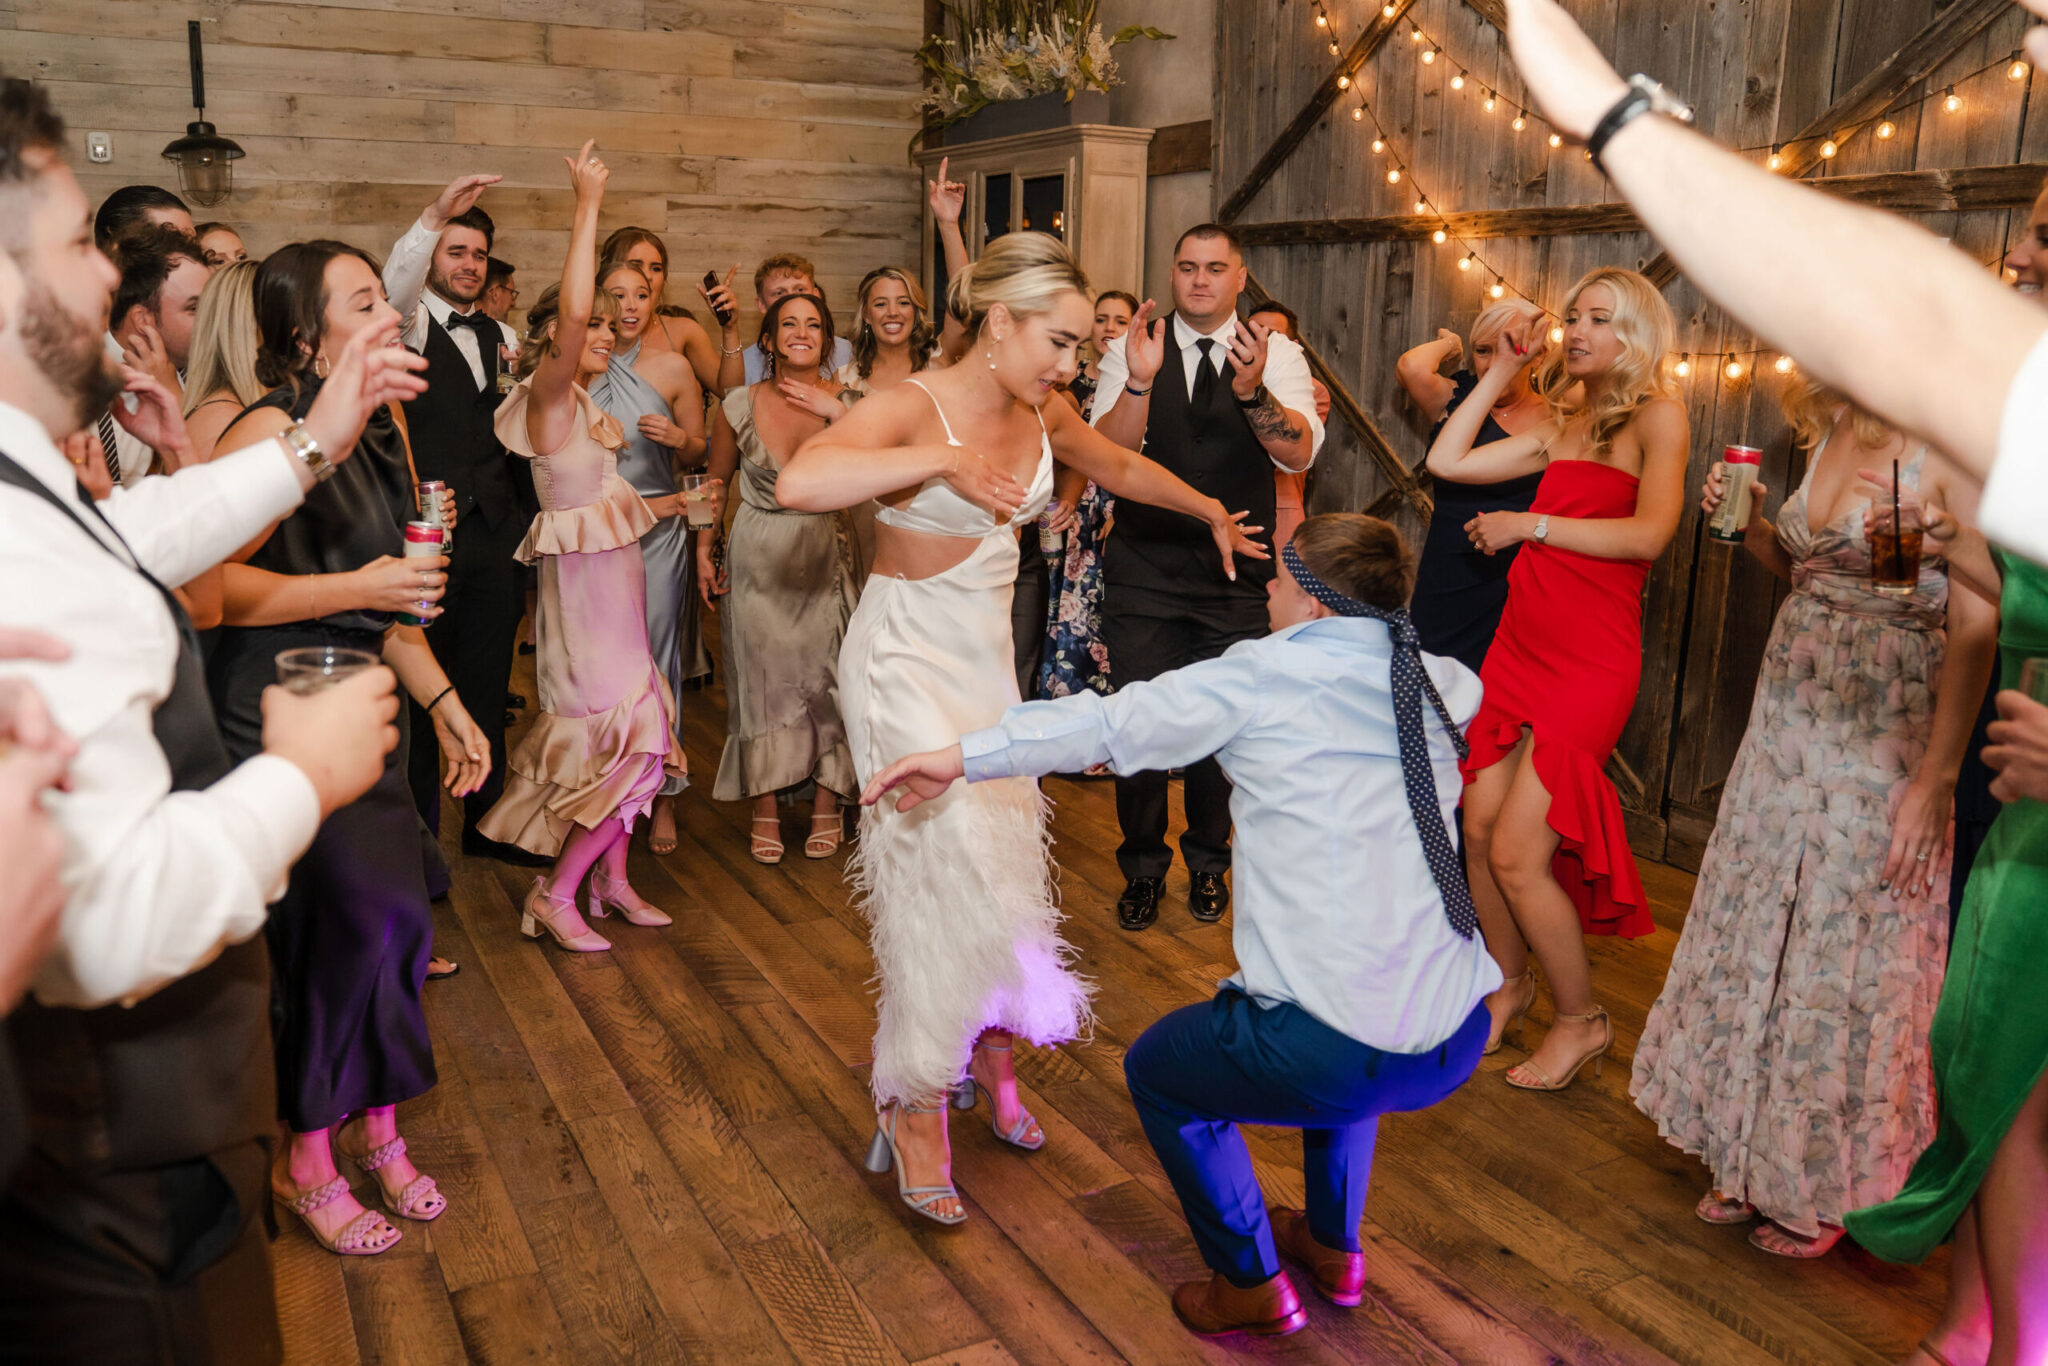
(1257,400)
(301,443)
(1541,533)
(1644,96)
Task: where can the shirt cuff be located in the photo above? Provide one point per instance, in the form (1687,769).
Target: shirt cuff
(280,815)
(985,754)
(2011,512)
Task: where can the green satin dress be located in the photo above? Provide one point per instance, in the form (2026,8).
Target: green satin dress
(1990,1034)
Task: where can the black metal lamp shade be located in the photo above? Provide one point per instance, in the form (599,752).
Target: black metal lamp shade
(205,170)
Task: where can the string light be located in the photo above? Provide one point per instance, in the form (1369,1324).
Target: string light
(1439,237)
(1415,35)
(1322,19)
(1343,81)
(1378,145)
(1387,11)
(1489,101)
(1951,101)
(1777,155)
(1784,365)
(1429,57)
(1556,140)
(1734,369)
(1684,367)
(1465,262)
(1358,116)
(1829,148)
(1458,81)
(1334,48)
(1393,175)
(1521,121)
(1422,206)
(1497,289)
(1887,130)
(2018,70)
(1556,335)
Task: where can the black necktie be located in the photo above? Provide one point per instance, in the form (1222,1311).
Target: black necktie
(488,339)
(1410,683)
(1205,377)
(108,447)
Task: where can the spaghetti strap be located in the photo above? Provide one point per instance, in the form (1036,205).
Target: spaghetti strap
(951,440)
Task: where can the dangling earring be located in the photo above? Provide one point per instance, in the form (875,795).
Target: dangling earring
(320,366)
(992,351)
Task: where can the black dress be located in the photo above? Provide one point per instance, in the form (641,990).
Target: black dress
(349,940)
(1459,592)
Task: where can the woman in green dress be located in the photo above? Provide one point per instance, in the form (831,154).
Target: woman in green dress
(1984,1179)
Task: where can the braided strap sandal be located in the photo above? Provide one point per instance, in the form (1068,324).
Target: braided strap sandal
(421,1199)
(362,1236)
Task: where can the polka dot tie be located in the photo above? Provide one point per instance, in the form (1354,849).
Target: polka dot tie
(1410,683)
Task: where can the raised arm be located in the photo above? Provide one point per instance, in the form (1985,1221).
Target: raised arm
(1283,418)
(948,198)
(1420,371)
(551,412)
(1124,377)
(1453,456)
(405,268)
(1866,302)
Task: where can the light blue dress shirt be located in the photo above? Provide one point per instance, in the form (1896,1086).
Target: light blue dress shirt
(1336,911)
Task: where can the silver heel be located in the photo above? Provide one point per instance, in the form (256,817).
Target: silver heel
(1014,1135)
(881,1157)
(923,1199)
(964,1095)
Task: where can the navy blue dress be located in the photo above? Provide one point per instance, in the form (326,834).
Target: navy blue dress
(1459,593)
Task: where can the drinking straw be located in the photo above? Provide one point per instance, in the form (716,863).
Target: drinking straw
(1898,527)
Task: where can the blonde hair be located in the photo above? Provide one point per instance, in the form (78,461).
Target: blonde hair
(224,338)
(1811,408)
(1648,333)
(1499,317)
(1023,271)
(546,312)
(867,346)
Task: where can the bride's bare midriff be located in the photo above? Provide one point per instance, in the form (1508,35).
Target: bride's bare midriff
(902,553)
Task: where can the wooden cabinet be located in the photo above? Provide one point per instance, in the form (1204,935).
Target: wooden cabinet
(1084,183)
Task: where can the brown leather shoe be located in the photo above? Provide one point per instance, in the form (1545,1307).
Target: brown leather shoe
(1215,1308)
(1339,1276)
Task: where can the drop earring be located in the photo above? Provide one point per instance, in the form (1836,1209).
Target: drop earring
(991,358)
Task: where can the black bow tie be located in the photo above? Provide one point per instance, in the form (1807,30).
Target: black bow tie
(479,320)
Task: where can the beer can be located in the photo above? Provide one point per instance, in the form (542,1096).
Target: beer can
(421,540)
(1739,468)
(435,509)
(1051,544)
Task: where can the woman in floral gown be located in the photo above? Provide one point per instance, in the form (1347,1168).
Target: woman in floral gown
(1788,1050)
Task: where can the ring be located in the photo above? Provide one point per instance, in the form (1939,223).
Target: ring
(1921,857)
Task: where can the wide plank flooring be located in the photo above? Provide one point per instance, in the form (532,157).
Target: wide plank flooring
(653,1155)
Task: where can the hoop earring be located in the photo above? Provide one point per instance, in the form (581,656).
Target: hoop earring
(320,366)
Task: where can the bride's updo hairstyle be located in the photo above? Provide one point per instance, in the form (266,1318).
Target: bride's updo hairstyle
(1361,557)
(1025,272)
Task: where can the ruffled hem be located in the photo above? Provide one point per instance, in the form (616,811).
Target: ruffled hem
(620,517)
(755,765)
(584,770)
(1594,863)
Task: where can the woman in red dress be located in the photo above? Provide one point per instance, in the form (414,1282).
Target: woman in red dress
(1546,852)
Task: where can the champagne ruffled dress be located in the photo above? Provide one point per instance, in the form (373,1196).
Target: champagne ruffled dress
(604,741)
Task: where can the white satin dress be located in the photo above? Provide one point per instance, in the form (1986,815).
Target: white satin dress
(957,892)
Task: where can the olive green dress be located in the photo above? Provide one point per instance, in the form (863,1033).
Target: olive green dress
(1990,1034)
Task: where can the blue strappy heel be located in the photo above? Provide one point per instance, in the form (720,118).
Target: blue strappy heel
(883,1154)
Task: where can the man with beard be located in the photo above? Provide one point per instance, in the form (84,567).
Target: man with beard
(163,271)
(435,277)
(130,1231)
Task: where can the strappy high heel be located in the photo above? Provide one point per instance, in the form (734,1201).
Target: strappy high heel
(824,843)
(557,914)
(1541,1081)
(964,1097)
(605,898)
(764,848)
(419,1199)
(1516,1017)
(883,1154)
(357,1238)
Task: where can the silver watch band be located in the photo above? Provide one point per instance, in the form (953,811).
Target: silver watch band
(301,444)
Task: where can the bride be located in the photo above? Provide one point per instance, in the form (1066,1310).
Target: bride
(958,891)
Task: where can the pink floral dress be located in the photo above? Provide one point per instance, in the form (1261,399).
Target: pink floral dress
(1788,1050)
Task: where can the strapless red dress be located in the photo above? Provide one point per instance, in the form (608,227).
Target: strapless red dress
(1566,663)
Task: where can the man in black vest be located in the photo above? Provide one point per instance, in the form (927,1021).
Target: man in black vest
(132,1231)
(435,278)
(1222,403)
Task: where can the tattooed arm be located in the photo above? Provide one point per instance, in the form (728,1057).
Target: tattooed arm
(1283,419)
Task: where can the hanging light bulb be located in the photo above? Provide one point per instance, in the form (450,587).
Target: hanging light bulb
(1414,35)
(1358,116)
(1378,145)
(1343,81)
(1777,155)
(1334,48)
(1733,369)
(1422,206)
(1556,335)
(1829,148)
(1497,290)
(1556,140)
(1322,19)
(1521,120)
(1887,130)
(1439,237)
(1458,81)
(1393,175)
(1429,57)
(1465,263)
(1951,101)
(1489,101)
(1387,10)
(1784,365)
(1684,367)
(2018,70)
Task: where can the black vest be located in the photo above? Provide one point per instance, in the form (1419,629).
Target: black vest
(452,437)
(1216,452)
(187,1071)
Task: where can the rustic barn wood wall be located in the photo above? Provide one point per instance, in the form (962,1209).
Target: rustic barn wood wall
(736,128)
(1331,237)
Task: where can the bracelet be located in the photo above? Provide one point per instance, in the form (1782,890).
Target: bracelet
(1137,393)
(439,695)
(734,352)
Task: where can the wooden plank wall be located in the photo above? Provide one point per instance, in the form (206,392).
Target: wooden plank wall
(736,128)
(1756,71)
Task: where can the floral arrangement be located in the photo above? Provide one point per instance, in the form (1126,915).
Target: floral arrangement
(1013,49)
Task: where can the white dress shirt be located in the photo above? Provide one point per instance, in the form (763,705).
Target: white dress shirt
(405,286)
(1287,377)
(2014,508)
(135,457)
(757,364)
(158,882)
(1336,910)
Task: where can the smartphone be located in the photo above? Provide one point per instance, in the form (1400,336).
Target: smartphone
(724,313)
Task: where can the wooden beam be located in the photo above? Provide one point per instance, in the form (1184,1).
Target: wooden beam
(1178,147)
(1401,482)
(1377,30)
(1931,191)
(1914,62)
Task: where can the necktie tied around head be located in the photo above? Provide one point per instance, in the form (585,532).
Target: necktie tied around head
(1410,683)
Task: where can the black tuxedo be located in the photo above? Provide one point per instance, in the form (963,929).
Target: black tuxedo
(1166,603)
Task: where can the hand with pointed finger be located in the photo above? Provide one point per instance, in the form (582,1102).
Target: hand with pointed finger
(946,197)
(586,173)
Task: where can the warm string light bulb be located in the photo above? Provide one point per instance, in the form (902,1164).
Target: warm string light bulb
(1784,365)
(1556,335)
(1458,81)
(1556,140)
(1358,116)
(1733,369)
(1334,48)
(1422,206)
(1429,57)
(1393,175)
(1887,130)
(1387,11)
(1465,262)
(1322,19)
(1951,101)
(1521,120)
(1343,81)
(1829,148)
(1489,101)
(1684,367)
(1439,237)
(1777,156)
(1497,290)
(2018,70)
(1414,35)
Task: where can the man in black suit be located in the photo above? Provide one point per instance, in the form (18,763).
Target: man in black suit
(1222,403)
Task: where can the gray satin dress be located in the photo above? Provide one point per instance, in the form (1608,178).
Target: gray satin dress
(666,551)
(792,593)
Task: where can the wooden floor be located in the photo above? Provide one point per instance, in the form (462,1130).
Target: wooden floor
(653,1155)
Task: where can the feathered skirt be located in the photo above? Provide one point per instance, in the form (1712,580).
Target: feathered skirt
(958,892)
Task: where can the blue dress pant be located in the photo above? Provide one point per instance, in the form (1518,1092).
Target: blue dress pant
(1199,1072)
